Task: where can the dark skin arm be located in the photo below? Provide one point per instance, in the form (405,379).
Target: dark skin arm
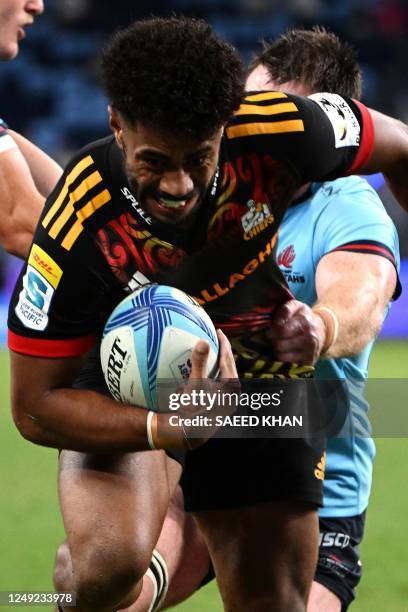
(48,412)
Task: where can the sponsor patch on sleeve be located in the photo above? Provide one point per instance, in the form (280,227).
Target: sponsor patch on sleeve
(45,265)
(346,128)
(39,283)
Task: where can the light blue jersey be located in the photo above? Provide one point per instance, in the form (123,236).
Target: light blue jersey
(344,215)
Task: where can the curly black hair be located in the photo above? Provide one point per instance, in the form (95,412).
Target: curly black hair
(316,58)
(174,74)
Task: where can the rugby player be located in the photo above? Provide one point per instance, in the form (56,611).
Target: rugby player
(345,259)
(27,174)
(172,196)
(348,246)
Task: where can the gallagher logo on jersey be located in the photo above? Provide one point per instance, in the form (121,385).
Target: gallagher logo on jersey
(285,259)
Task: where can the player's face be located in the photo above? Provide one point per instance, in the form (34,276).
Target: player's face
(15,16)
(169,175)
(259,79)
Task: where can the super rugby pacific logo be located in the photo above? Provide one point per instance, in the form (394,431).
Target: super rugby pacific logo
(287,257)
(185,369)
(181,366)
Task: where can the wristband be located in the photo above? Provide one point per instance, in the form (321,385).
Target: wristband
(152,438)
(331,324)
(150,441)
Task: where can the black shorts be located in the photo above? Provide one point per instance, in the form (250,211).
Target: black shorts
(243,471)
(339,567)
(227,473)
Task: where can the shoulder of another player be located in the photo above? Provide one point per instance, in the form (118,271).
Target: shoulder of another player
(351,196)
(346,185)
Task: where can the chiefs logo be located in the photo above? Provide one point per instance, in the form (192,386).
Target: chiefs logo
(286,257)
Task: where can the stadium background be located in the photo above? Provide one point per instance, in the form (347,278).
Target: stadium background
(50,94)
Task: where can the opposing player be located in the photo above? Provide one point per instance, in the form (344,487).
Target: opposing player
(27,174)
(188,195)
(344,265)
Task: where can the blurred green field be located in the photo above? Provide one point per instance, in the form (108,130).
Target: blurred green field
(31,527)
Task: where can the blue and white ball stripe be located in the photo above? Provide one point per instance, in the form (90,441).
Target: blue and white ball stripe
(149,337)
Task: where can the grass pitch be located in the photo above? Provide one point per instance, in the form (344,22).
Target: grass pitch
(31,527)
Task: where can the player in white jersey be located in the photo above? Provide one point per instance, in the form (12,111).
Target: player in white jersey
(343,264)
(27,174)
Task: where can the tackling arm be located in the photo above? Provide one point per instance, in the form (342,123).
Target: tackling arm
(357,288)
(44,170)
(24,183)
(20,203)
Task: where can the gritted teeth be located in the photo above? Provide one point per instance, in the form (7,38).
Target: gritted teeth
(172,203)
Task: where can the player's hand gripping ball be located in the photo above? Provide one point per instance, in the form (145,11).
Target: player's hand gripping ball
(150,336)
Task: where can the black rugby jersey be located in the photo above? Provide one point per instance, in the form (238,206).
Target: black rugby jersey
(94,241)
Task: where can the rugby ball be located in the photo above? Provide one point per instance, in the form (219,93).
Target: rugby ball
(148,341)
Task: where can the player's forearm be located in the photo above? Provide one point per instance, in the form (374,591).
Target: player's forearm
(80,420)
(44,170)
(20,203)
(359,315)
(15,240)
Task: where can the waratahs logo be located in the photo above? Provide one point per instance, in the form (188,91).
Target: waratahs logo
(287,257)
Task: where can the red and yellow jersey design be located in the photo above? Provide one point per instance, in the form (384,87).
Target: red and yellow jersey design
(94,238)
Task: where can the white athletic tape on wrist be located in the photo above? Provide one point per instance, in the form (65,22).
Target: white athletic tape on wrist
(7,142)
(150,442)
(159,576)
(332,330)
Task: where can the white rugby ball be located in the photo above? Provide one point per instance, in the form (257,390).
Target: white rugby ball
(149,337)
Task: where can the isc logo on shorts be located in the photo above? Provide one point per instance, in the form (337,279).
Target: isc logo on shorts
(334,539)
(39,283)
